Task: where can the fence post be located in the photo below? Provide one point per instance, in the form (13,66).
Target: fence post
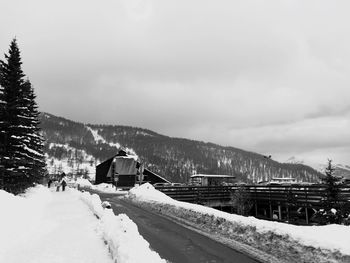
(279,212)
(271,214)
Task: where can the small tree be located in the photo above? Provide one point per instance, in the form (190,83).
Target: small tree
(241,200)
(291,203)
(331,212)
(331,181)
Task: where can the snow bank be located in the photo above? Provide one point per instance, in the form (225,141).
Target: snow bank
(147,192)
(108,188)
(288,242)
(121,234)
(103,187)
(94,203)
(83,182)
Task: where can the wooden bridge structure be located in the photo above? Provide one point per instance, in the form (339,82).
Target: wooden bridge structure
(278,202)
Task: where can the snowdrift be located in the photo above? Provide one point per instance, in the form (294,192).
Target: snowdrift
(121,234)
(103,187)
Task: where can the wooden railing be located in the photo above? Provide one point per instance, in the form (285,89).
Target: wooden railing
(301,195)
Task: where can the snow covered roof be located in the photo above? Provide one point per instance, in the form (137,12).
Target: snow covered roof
(213,176)
(125,157)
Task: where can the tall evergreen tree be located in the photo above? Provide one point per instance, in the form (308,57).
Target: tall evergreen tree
(23,158)
(33,142)
(3,154)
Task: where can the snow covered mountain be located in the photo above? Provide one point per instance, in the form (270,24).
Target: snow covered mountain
(340,169)
(294,160)
(82,146)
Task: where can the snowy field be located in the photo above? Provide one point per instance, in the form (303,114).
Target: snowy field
(44,226)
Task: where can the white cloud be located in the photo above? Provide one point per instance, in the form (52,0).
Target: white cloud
(263,76)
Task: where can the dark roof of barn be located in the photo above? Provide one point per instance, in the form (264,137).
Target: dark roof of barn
(104,166)
(146,171)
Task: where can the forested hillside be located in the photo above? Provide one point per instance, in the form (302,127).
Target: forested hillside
(173,158)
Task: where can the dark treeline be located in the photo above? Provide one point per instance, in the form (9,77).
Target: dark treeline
(174,158)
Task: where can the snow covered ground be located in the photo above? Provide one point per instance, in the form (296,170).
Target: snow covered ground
(48,226)
(288,243)
(61,227)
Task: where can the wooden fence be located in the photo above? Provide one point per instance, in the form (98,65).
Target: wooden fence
(268,200)
(301,195)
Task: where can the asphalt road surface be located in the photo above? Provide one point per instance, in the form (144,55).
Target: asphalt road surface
(172,241)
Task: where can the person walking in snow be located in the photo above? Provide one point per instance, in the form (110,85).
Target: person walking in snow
(49,183)
(57,184)
(63,181)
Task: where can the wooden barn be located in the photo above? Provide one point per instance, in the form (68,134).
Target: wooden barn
(123,170)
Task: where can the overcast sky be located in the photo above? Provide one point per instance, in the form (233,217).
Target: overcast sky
(265,76)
